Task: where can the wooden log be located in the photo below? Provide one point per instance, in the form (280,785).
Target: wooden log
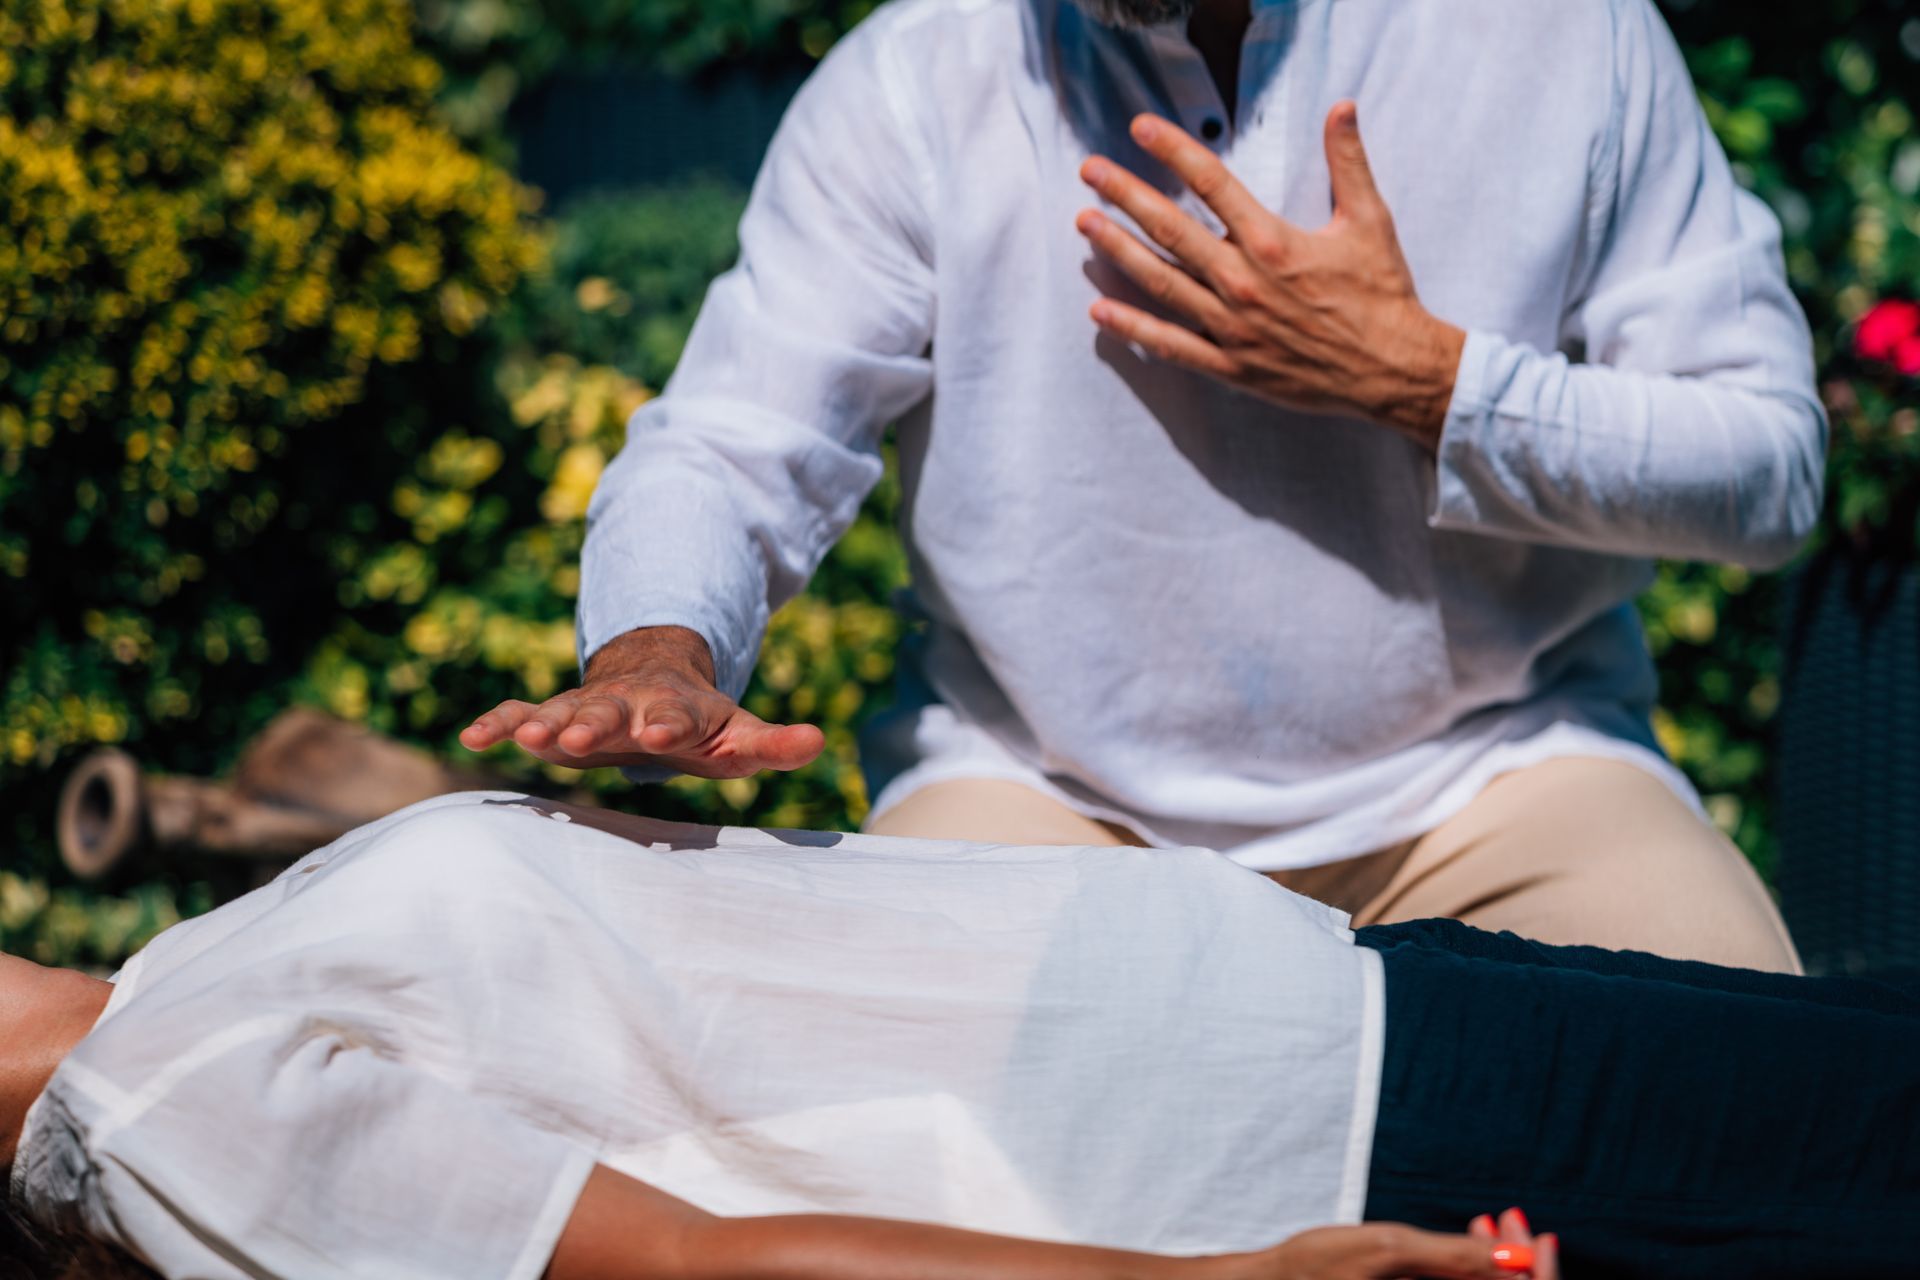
(304,780)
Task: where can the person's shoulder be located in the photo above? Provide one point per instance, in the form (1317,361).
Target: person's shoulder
(930,20)
(1500,20)
(1556,37)
(923,35)
(1524,42)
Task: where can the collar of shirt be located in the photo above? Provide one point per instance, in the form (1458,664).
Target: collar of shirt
(1202,111)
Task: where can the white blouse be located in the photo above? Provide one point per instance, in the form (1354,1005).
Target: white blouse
(404,1056)
(1288,636)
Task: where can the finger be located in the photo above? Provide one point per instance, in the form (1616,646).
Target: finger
(1546,1256)
(1163,339)
(752,741)
(541,729)
(1166,223)
(1514,1226)
(672,723)
(1205,174)
(1482,1228)
(496,725)
(1165,283)
(599,720)
(1411,1252)
(1355,197)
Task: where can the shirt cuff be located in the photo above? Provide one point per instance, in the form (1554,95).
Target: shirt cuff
(1463,436)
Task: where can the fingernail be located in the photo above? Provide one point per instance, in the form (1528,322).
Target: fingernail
(1484,1220)
(1518,1213)
(1146,130)
(1513,1257)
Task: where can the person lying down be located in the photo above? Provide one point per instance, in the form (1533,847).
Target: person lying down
(493,1036)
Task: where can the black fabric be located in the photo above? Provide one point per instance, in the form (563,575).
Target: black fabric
(1666,1118)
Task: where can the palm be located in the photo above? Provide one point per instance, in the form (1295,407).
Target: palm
(665,718)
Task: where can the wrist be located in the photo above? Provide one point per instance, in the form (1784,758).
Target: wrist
(1431,369)
(650,648)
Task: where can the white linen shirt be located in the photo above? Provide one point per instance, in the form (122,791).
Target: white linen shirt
(1287,636)
(404,1056)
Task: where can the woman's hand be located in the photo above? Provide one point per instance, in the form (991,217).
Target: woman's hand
(1389,1251)
(1512,1230)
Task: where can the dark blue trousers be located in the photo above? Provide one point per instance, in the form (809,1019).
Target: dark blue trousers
(1668,1119)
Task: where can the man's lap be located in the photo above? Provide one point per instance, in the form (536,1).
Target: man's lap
(1572,850)
(1581,850)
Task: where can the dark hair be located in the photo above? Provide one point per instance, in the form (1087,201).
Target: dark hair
(28,1252)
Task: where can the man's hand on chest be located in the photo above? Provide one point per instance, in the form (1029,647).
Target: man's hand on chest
(1325,321)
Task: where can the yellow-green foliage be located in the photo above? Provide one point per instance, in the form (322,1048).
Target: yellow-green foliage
(71,927)
(216,218)
(225,225)
(192,191)
(429,635)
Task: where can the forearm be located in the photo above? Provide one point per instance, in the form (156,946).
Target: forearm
(667,547)
(1629,463)
(624,1229)
(838,1248)
(715,513)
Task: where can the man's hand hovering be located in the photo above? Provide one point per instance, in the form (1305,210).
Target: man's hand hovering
(1325,321)
(648,700)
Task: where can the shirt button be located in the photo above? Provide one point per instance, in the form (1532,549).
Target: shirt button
(1211,128)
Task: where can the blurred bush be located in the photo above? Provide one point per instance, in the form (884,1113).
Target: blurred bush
(237,252)
(496,49)
(1813,105)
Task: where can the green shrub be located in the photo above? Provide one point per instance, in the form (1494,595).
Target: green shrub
(225,226)
(495,50)
(1812,103)
(624,276)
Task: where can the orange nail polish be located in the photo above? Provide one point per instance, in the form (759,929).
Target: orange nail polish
(1484,1220)
(1513,1257)
(1524,1225)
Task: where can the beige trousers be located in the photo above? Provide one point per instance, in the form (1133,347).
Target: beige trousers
(1572,850)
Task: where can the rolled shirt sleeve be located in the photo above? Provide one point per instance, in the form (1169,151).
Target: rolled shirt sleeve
(740,476)
(1692,428)
(286,1146)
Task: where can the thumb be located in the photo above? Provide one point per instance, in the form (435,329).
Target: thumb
(1355,198)
(773,746)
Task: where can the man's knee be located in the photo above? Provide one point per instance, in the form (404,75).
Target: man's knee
(1602,853)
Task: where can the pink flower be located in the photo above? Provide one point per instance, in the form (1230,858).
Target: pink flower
(1906,356)
(1884,330)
